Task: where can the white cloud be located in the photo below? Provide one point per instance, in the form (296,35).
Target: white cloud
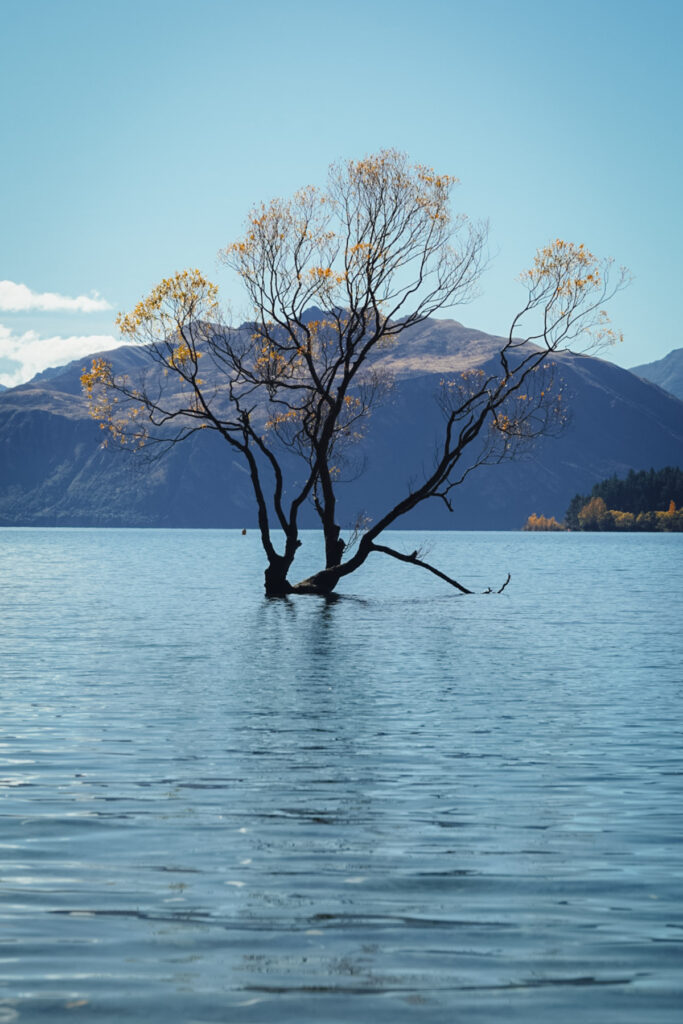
(30,353)
(18,298)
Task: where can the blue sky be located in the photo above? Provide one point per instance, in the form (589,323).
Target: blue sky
(136,136)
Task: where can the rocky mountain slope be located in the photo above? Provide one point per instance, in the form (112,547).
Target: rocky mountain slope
(667,372)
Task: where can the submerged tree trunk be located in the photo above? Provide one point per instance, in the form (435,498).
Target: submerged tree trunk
(322,583)
(276,583)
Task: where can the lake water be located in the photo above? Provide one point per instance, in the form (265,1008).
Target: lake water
(404,805)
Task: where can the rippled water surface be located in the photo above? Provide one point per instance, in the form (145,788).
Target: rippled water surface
(404,805)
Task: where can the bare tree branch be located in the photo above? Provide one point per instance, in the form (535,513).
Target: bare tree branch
(412,559)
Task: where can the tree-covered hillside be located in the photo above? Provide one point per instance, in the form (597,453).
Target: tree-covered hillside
(640,496)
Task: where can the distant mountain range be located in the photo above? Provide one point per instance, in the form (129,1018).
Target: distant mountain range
(667,372)
(54,472)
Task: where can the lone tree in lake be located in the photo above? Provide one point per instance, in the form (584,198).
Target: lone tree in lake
(379,251)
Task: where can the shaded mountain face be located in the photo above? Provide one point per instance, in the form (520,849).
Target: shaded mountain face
(53,470)
(667,372)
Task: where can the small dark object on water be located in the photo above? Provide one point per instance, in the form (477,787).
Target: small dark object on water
(244,533)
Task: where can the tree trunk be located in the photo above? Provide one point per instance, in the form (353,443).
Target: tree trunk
(334,546)
(322,583)
(276,582)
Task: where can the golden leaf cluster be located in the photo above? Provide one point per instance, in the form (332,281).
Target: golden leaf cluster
(173,302)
